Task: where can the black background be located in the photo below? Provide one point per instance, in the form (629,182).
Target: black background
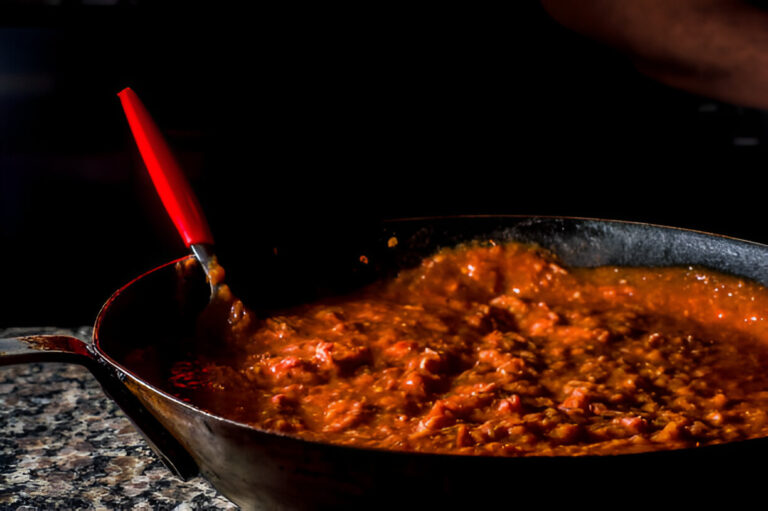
(299,121)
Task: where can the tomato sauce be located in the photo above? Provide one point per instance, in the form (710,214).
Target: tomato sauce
(500,350)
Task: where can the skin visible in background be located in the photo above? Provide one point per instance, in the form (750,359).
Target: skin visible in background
(714,48)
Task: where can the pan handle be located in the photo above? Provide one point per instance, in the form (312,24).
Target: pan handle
(62,348)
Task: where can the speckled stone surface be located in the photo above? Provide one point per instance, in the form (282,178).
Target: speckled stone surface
(65,445)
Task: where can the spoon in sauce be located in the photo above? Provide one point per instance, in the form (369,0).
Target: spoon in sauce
(174,190)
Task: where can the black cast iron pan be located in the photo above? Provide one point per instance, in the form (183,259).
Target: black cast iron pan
(262,470)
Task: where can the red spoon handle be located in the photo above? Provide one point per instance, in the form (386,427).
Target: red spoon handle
(174,189)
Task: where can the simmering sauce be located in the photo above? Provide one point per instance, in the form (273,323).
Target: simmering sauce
(500,350)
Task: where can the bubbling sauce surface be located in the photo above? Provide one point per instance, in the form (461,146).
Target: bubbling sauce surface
(500,350)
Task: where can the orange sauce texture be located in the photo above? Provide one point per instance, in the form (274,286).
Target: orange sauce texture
(501,350)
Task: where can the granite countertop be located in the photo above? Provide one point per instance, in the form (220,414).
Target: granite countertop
(65,445)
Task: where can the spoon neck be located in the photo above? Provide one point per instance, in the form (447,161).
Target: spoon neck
(203,252)
(205,255)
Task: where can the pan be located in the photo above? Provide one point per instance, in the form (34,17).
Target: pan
(259,469)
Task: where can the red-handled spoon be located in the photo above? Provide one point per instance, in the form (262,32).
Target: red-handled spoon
(175,192)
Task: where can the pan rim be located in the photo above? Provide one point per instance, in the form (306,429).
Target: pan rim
(122,370)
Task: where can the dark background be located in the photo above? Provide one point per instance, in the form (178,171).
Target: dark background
(297,121)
